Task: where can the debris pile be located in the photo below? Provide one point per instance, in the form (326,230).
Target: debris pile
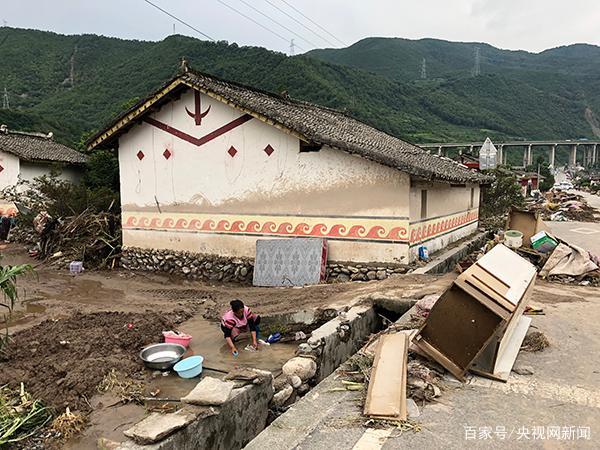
(92,238)
(560,206)
(554,259)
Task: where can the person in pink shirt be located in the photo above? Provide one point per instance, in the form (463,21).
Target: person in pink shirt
(239,319)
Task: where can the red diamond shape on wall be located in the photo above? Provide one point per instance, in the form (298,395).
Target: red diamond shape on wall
(167,153)
(1,168)
(140,155)
(232,151)
(269,150)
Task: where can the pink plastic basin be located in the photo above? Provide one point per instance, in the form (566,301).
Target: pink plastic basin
(173,338)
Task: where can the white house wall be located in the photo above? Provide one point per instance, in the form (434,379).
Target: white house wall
(31,170)
(450,215)
(184,186)
(9,170)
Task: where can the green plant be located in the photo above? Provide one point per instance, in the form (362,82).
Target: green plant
(499,197)
(20,415)
(8,286)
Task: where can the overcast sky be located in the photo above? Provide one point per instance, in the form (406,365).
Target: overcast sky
(532,25)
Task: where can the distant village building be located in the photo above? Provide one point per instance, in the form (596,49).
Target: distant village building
(210,166)
(25,156)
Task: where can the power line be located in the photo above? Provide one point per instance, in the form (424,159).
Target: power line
(179,20)
(313,22)
(256,22)
(299,23)
(278,23)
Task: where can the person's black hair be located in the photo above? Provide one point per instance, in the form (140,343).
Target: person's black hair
(236,304)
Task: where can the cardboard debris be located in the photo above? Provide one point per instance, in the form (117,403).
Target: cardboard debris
(527,222)
(386,395)
(481,308)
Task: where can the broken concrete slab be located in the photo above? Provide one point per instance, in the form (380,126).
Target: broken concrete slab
(157,426)
(210,391)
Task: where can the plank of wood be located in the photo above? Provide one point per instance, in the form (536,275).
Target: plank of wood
(386,395)
(505,360)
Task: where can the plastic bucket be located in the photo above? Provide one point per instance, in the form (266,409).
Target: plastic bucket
(174,338)
(513,239)
(189,367)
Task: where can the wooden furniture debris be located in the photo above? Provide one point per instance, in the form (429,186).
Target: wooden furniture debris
(386,395)
(479,313)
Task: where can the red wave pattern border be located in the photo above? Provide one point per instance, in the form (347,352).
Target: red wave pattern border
(340,231)
(420,232)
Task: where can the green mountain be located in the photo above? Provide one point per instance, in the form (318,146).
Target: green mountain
(72,85)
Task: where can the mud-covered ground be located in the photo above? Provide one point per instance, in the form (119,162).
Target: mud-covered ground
(89,313)
(64,361)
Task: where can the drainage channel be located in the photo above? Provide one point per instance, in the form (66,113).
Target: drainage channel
(252,407)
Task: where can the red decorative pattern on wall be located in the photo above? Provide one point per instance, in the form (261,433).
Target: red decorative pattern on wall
(140,155)
(431,228)
(268,227)
(167,153)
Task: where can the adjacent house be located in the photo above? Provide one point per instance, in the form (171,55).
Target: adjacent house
(210,166)
(25,156)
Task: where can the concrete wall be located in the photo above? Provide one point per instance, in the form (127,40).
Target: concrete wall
(187,191)
(30,170)
(10,170)
(452,213)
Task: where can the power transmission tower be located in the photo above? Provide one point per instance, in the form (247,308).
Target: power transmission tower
(477,67)
(5,102)
(292,47)
(424,69)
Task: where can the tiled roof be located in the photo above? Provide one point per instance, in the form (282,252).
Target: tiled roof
(317,125)
(38,147)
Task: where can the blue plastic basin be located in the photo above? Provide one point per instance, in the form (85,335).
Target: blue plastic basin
(189,367)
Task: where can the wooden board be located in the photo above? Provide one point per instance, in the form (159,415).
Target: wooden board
(510,269)
(505,360)
(386,395)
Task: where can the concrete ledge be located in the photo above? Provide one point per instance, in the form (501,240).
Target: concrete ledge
(445,262)
(233,426)
(338,339)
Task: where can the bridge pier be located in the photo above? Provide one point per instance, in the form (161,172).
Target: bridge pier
(594,154)
(552,155)
(440,150)
(573,156)
(525,157)
(499,156)
(529,155)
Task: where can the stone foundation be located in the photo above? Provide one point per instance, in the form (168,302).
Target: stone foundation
(199,266)
(191,265)
(342,272)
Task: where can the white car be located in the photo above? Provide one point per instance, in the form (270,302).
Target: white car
(565,185)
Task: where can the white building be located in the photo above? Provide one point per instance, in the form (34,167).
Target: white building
(209,166)
(25,156)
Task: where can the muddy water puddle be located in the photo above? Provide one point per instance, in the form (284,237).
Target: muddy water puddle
(109,420)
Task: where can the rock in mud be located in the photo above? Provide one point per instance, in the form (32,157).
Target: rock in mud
(210,391)
(282,396)
(295,381)
(523,370)
(304,368)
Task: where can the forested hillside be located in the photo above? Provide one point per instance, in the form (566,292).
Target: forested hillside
(72,85)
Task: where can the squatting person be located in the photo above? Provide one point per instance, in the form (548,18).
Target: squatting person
(239,319)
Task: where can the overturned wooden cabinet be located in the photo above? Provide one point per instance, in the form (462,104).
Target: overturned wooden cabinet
(474,324)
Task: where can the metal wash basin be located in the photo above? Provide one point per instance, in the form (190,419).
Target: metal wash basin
(162,356)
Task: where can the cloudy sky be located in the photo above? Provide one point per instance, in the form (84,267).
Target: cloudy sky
(532,25)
